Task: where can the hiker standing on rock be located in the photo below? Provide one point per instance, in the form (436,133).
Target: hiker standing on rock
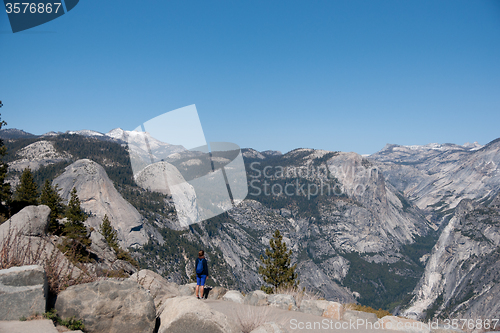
(201,273)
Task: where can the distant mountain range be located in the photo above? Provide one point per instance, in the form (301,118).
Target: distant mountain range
(371,234)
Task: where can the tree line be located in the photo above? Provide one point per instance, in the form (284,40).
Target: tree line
(65,220)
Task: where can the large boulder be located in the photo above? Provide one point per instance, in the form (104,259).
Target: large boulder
(188,314)
(30,221)
(270,327)
(23,292)
(256,298)
(157,286)
(334,310)
(282,301)
(314,307)
(109,306)
(217,293)
(187,289)
(233,296)
(328,309)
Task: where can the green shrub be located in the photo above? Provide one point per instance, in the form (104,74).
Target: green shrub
(71,323)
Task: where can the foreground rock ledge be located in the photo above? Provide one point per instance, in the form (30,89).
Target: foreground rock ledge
(23,292)
(187,314)
(109,306)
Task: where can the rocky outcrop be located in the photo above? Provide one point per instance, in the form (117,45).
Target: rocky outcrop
(187,289)
(282,301)
(461,275)
(36,155)
(323,308)
(233,296)
(23,292)
(187,314)
(109,306)
(157,286)
(99,197)
(30,221)
(25,242)
(217,293)
(256,298)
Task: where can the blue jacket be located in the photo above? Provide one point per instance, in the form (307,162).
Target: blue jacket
(205,266)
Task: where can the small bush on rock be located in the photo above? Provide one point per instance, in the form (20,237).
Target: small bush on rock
(71,323)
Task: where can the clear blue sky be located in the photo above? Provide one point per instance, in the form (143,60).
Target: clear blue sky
(335,75)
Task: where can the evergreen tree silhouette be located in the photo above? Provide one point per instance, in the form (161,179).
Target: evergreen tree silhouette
(5,190)
(27,190)
(77,239)
(51,198)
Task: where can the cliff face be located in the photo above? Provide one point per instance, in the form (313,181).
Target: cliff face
(99,197)
(437,178)
(462,274)
(375,217)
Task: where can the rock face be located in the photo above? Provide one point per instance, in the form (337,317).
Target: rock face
(437,177)
(109,306)
(23,292)
(461,275)
(36,155)
(157,286)
(164,178)
(380,222)
(187,314)
(99,197)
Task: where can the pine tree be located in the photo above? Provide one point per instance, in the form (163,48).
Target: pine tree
(277,270)
(51,198)
(5,191)
(77,238)
(109,234)
(75,212)
(27,190)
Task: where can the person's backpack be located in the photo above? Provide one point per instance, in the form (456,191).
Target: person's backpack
(199,267)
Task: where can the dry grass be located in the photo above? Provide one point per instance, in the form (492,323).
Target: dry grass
(17,249)
(299,294)
(250,317)
(379,313)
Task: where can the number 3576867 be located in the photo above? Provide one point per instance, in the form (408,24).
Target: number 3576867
(26,7)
